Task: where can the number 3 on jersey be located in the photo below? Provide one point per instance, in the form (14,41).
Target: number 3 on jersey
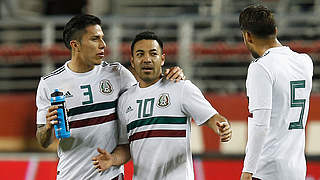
(297,103)
(88,93)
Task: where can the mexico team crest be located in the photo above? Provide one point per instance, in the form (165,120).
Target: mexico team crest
(164,100)
(105,87)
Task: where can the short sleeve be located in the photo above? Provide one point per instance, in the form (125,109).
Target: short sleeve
(42,102)
(195,105)
(259,87)
(127,79)
(123,137)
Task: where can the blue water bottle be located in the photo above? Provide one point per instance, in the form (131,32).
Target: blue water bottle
(62,128)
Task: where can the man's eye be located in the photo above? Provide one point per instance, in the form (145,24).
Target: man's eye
(94,39)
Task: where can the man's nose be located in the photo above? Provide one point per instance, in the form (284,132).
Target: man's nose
(102,44)
(147,59)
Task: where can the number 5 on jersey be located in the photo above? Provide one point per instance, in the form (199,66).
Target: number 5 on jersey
(297,103)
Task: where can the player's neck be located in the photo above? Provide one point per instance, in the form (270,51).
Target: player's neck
(77,65)
(263,46)
(145,84)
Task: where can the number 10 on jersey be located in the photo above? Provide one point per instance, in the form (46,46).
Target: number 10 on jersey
(145,107)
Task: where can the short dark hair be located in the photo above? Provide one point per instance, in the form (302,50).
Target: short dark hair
(147,35)
(258,20)
(75,28)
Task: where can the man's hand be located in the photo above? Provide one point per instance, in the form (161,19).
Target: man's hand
(174,73)
(224,131)
(103,161)
(51,117)
(246,176)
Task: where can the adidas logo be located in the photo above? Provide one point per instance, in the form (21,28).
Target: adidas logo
(68,94)
(129,109)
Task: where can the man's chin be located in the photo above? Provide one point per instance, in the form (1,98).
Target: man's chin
(147,79)
(98,62)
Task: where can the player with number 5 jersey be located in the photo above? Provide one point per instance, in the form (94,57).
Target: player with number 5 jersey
(279,84)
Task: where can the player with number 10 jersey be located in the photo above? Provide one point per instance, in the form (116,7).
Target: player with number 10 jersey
(156,121)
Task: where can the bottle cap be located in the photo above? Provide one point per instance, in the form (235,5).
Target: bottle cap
(56,93)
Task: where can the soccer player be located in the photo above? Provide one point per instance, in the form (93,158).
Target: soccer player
(278,86)
(92,88)
(155,117)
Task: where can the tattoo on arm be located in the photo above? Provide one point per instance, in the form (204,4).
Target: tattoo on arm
(44,135)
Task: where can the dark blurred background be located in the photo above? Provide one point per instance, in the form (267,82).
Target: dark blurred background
(201,36)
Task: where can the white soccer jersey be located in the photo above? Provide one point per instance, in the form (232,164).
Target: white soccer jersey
(281,80)
(91,99)
(156,122)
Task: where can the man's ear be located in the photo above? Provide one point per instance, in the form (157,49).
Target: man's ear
(131,62)
(248,36)
(163,58)
(75,45)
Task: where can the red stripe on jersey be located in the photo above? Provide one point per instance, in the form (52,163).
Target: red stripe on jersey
(157,133)
(93,121)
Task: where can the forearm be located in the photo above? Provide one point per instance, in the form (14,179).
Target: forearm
(211,123)
(257,130)
(44,135)
(254,147)
(121,155)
